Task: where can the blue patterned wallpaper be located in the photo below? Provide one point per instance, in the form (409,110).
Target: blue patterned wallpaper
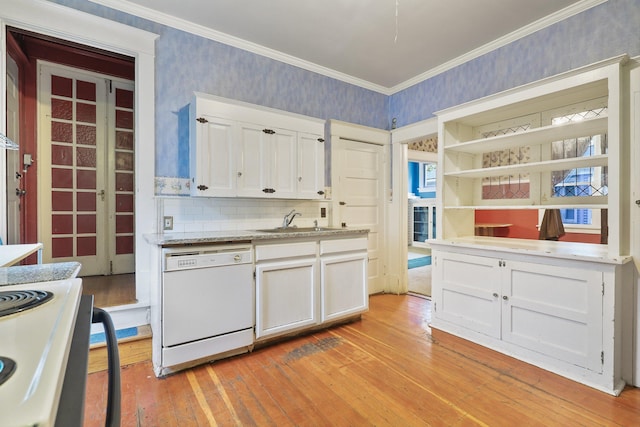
(602,32)
(186,63)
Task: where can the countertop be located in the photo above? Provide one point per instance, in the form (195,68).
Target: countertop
(199,237)
(12,254)
(591,252)
(20,274)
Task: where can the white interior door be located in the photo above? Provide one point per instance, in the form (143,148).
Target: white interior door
(13,171)
(359,191)
(85,169)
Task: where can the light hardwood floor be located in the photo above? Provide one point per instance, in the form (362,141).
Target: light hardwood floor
(110,291)
(386,370)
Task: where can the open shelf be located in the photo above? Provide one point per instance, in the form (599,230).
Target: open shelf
(531,137)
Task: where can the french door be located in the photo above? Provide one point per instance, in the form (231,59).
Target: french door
(86,169)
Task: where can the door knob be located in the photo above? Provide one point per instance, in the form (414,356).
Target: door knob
(20,192)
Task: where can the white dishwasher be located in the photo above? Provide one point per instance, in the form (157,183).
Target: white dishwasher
(207,302)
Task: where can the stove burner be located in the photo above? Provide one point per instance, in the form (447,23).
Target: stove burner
(16,301)
(7,368)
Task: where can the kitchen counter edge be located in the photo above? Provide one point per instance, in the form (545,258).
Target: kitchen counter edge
(35,273)
(203,237)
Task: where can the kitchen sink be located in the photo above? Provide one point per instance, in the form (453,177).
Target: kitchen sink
(297,229)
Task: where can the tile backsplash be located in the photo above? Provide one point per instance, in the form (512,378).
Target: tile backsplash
(221,214)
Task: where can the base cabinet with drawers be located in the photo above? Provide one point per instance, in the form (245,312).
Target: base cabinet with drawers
(301,284)
(556,313)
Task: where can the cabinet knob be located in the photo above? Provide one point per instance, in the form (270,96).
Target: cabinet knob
(343,203)
(504,297)
(299,179)
(321,192)
(239,174)
(495,295)
(202,187)
(269,131)
(237,258)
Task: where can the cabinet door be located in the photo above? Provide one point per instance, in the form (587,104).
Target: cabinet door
(554,310)
(213,169)
(343,285)
(281,164)
(252,161)
(466,291)
(285,296)
(310,166)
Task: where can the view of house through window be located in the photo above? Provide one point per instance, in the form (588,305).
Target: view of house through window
(580,182)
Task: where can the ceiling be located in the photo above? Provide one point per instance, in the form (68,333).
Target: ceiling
(385,45)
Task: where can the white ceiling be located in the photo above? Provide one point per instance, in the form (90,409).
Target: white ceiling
(361,41)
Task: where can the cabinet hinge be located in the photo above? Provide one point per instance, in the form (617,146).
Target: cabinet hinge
(602,288)
(602,357)
(434,306)
(110,267)
(254,274)
(202,120)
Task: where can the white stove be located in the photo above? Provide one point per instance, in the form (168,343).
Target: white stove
(34,345)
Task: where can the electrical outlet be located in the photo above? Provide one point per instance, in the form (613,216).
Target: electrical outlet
(168,223)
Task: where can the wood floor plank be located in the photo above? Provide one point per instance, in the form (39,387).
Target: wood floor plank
(388,369)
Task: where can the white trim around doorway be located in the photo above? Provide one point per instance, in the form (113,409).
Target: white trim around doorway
(62,22)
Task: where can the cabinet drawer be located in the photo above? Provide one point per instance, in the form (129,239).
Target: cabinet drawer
(285,250)
(343,245)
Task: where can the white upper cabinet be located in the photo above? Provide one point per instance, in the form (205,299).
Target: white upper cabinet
(212,164)
(266,162)
(310,179)
(241,150)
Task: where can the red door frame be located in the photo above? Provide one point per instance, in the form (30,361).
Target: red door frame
(26,48)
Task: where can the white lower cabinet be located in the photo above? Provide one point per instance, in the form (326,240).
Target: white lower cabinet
(556,314)
(285,287)
(303,284)
(343,278)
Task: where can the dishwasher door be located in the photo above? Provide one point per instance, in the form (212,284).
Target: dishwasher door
(209,294)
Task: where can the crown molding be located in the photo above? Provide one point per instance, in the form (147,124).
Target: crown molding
(208,33)
(190,27)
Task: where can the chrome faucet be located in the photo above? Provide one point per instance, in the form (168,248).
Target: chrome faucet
(288,218)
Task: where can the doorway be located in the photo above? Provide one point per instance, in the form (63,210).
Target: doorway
(80,187)
(421,201)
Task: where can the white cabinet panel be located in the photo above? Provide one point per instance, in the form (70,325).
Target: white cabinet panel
(285,296)
(212,157)
(310,180)
(343,284)
(252,161)
(554,310)
(468,292)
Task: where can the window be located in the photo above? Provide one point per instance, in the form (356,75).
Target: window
(580,182)
(427,177)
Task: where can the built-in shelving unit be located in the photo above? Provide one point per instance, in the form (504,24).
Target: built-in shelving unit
(557,143)
(505,144)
